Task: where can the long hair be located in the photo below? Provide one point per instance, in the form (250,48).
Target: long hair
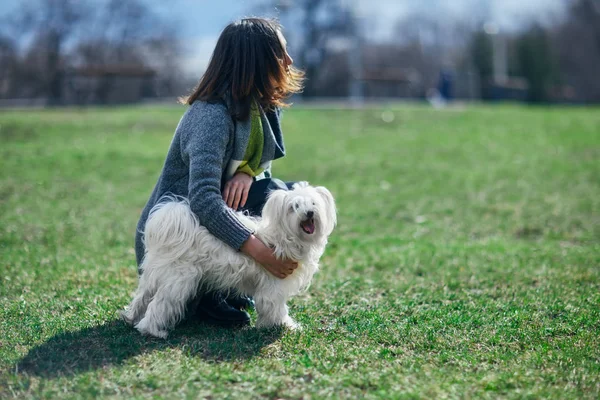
(248,64)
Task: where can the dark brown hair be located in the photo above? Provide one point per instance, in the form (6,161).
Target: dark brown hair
(248,64)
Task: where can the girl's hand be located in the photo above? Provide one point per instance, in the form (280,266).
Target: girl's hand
(265,257)
(236,190)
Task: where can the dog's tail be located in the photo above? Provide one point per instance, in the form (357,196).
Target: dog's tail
(171,228)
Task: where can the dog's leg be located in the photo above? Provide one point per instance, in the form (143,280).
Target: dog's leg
(147,285)
(146,289)
(135,311)
(273,312)
(168,305)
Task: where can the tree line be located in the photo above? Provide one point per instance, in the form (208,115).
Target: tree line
(47,46)
(99,51)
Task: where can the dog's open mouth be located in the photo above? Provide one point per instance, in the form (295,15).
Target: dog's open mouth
(308,226)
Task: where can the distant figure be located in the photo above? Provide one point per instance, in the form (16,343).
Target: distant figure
(440,96)
(445,84)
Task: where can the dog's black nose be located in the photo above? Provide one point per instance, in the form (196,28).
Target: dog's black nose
(310,214)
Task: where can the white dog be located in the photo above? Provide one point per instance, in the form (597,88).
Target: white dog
(181,255)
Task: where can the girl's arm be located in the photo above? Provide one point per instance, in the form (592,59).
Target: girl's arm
(205,133)
(265,257)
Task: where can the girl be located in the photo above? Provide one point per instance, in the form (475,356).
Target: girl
(221,153)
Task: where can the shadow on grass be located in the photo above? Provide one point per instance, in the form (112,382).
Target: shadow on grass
(114,343)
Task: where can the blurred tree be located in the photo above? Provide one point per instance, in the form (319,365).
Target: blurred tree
(482,59)
(536,62)
(322,21)
(50,24)
(587,12)
(117,32)
(427,43)
(8,65)
(53,38)
(576,43)
(128,34)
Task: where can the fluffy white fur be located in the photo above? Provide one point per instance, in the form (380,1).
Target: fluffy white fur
(181,255)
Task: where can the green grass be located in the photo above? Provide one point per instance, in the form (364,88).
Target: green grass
(466,262)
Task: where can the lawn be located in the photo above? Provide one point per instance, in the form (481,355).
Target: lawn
(466,261)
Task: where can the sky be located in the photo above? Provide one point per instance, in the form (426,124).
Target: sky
(201,21)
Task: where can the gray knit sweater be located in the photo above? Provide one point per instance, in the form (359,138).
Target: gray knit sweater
(199,162)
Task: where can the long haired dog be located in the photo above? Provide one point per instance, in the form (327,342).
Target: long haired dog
(181,256)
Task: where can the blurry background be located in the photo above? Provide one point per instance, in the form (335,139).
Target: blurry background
(65,52)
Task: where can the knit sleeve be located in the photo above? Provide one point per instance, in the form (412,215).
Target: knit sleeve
(205,132)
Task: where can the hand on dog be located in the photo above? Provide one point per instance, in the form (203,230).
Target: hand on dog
(236,190)
(265,257)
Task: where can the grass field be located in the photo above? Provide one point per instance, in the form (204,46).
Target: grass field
(466,261)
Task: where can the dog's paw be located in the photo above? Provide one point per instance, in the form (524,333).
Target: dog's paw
(290,324)
(127,317)
(145,329)
(161,334)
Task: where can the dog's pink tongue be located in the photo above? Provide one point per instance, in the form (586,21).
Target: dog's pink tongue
(308,226)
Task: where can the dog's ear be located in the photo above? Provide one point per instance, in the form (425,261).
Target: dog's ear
(330,208)
(274,208)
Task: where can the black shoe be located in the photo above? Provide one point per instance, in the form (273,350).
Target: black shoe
(213,308)
(240,301)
